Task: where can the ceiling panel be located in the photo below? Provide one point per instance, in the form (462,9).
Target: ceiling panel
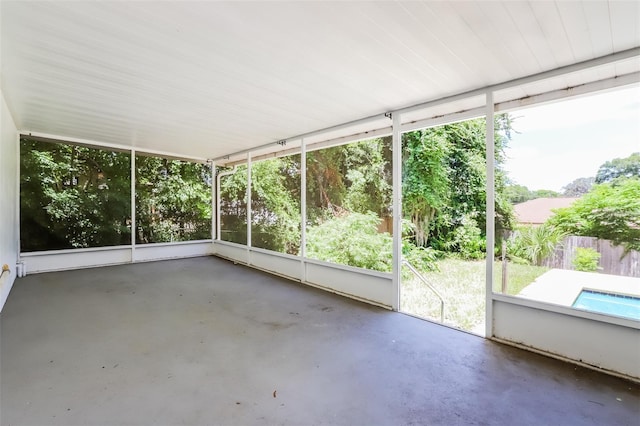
(625,24)
(206,79)
(554,31)
(576,29)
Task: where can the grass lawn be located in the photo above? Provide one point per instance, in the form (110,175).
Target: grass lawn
(462,286)
(518,276)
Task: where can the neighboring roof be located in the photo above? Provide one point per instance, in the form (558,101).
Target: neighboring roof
(209,79)
(536,212)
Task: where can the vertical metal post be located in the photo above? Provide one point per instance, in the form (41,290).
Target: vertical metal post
(248,203)
(17,200)
(217,213)
(214,203)
(490,212)
(505,274)
(303,210)
(397,211)
(133,206)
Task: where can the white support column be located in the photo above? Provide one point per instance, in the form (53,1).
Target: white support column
(217,201)
(248,204)
(133,206)
(397,211)
(490,212)
(303,210)
(17,203)
(214,203)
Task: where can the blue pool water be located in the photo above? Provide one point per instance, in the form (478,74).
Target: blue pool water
(609,303)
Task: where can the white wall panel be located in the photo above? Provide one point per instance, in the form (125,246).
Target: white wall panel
(231,251)
(74,259)
(149,252)
(9,239)
(606,345)
(374,288)
(103,256)
(276,263)
(370,286)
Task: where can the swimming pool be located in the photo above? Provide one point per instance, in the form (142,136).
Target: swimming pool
(609,303)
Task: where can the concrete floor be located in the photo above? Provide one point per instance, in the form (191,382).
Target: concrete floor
(202,341)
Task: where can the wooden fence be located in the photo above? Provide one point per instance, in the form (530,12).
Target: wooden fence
(612,258)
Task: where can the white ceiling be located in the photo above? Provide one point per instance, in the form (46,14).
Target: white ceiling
(206,79)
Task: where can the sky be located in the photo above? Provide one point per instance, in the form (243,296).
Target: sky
(560,142)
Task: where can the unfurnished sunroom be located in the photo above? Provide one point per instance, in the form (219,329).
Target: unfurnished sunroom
(352,147)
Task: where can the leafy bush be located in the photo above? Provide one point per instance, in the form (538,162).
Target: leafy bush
(354,240)
(422,258)
(468,241)
(534,243)
(586,259)
(351,240)
(610,211)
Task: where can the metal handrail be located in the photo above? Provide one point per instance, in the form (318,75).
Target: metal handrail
(424,280)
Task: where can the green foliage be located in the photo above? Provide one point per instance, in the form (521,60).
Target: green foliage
(351,240)
(444,179)
(233,206)
(516,194)
(73,196)
(544,193)
(628,167)
(349,178)
(586,259)
(578,187)
(422,258)
(444,176)
(354,240)
(425,182)
(173,200)
(519,276)
(368,177)
(275,204)
(468,241)
(610,211)
(534,243)
(341,181)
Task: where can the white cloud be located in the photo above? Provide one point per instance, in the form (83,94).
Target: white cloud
(613,106)
(564,141)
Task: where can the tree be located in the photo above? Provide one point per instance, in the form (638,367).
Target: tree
(275,204)
(73,196)
(349,178)
(578,187)
(368,177)
(233,205)
(544,193)
(425,182)
(619,167)
(610,211)
(173,200)
(444,180)
(516,194)
(444,195)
